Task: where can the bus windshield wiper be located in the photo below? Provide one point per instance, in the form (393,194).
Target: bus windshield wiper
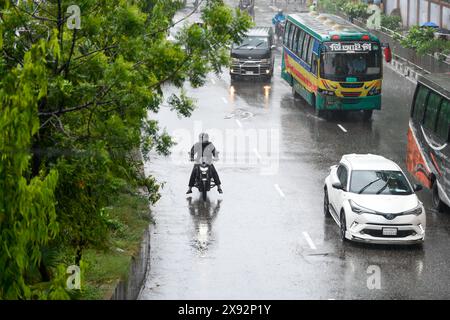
(368,185)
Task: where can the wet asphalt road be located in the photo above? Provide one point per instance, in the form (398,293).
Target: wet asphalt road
(266,237)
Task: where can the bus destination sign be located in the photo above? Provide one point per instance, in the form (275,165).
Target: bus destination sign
(350,46)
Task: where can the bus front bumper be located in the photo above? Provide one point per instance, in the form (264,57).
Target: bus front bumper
(326,102)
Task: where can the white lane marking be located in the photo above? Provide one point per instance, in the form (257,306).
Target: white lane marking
(239,123)
(277,187)
(224,100)
(257,154)
(342,128)
(309,240)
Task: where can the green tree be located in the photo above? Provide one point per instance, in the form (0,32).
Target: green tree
(100,83)
(27,204)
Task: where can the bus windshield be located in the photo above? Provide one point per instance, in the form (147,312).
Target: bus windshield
(364,66)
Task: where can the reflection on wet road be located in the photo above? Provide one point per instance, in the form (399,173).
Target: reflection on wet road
(266,237)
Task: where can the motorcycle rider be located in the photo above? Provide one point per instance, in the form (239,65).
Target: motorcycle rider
(206,150)
(277,21)
(278,18)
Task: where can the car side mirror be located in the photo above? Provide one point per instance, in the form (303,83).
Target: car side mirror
(337,185)
(273,46)
(417,187)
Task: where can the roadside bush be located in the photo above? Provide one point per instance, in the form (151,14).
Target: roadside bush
(391,22)
(422,41)
(355,10)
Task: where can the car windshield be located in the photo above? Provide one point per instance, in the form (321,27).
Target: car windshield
(379,182)
(252,43)
(364,66)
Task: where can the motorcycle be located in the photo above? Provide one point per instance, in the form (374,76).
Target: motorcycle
(279,30)
(203,178)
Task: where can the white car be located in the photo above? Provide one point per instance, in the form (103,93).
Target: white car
(371,200)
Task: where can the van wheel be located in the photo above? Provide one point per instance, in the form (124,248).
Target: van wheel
(367,115)
(436,201)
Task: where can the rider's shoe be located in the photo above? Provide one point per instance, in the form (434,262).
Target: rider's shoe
(219,189)
(189,191)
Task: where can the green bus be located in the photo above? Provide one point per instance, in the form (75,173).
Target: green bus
(332,63)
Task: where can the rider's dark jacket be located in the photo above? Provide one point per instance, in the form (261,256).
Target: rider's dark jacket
(207,150)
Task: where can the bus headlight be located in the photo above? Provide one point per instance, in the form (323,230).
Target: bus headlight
(327,92)
(374,91)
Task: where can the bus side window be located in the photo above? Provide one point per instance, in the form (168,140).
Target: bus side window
(286,33)
(305,47)
(310,50)
(295,40)
(291,36)
(314,64)
(300,43)
(419,103)
(431,111)
(443,121)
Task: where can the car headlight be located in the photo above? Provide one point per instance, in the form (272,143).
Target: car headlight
(265,61)
(416,211)
(356,208)
(234,60)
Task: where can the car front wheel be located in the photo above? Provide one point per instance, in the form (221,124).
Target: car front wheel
(343,226)
(326,204)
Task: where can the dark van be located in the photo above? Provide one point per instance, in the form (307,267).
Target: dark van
(254,56)
(428,153)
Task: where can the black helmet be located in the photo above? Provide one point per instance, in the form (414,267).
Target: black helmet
(203,137)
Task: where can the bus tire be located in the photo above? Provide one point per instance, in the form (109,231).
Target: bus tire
(321,113)
(295,93)
(367,115)
(438,205)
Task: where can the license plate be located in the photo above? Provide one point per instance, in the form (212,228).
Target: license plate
(249,72)
(389,231)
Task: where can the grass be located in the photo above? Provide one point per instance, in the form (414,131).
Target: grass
(127,218)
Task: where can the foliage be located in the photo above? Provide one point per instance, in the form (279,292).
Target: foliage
(392,22)
(75,107)
(355,10)
(421,39)
(331,6)
(27,204)
(351,8)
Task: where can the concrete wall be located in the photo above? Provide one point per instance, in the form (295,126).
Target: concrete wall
(410,18)
(130,288)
